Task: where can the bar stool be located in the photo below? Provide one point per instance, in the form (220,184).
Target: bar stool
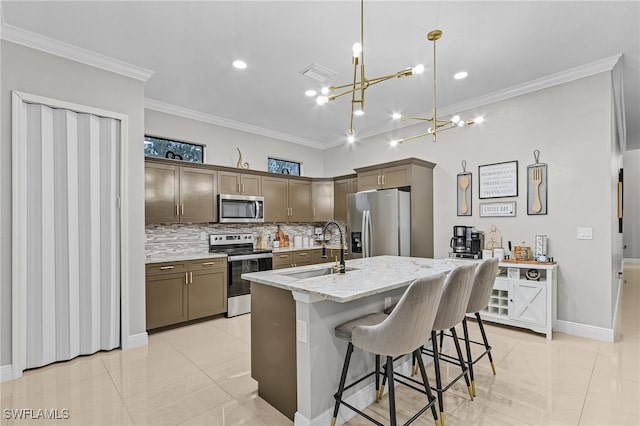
(402,332)
(451,311)
(483,281)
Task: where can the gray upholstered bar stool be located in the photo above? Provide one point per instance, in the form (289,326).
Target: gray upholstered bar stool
(402,332)
(483,281)
(451,311)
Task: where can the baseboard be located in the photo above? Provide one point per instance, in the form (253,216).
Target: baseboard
(584,330)
(630,260)
(6,373)
(360,399)
(135,340)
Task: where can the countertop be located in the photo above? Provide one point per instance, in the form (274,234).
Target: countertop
(367,276)
(182,256)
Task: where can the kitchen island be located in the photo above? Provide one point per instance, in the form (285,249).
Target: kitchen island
(294,355)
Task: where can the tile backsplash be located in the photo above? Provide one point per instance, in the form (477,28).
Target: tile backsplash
(186,238)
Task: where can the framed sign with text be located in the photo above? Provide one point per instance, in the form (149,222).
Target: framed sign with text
(502,209)
(498,180)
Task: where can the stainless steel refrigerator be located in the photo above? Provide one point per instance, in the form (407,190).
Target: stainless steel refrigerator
(379,223)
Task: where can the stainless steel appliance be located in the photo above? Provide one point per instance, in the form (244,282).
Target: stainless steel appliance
(476,243)
(466,242)
(241,258)
(379,223)
(458,242)
(240,208)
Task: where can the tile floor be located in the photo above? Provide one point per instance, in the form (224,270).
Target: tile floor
(200,375)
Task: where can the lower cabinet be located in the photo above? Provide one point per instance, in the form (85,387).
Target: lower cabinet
(524,295)
(183,291)
(292,258)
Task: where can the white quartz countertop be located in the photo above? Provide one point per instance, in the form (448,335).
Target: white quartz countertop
(364,277)
(181,257)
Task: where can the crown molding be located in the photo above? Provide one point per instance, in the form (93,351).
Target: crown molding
(602,65)
(225,122)
(69,51)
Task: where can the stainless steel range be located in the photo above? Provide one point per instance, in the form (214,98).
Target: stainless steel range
(241,258)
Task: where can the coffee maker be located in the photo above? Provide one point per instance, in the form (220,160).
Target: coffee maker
(459,240)
(466,242)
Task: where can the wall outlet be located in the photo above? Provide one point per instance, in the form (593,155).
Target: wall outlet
(585,233)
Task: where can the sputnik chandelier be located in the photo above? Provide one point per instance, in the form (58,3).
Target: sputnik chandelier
(437,124)
(360,82)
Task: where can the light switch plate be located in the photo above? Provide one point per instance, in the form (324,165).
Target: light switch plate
(301,331)
(585,233)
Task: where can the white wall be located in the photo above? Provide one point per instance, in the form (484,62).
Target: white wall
(31,71)
(631,209)
(221,143)
(571,126)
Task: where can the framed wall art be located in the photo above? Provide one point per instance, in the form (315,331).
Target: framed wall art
(498,180)
(464,191)
(501,209)
(537,186)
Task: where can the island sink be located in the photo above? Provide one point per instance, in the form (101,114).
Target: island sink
(314,273)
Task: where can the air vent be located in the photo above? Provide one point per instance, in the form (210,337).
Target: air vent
(318,72)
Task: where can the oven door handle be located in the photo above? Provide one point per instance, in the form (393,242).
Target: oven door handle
(250,257)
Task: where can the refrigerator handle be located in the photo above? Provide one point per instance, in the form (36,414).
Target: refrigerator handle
(363,234)
(369,234)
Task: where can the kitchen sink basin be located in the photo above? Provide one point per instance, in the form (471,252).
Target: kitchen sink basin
(314,273)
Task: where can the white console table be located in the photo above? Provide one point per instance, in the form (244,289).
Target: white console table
(524,302)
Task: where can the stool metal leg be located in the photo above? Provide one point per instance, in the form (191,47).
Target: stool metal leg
(441,340)
(469,358)
(454,335)
(436,366)
(378,395)
(486,342)
(392,392)
(343,378)
(418,355)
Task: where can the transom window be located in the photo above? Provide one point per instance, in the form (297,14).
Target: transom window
(174,150)
(275,165)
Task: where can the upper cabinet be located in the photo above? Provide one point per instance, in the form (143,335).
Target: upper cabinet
(286,200)
(395,176)
(342,186)
(179,194)
(322,200)
(239,183)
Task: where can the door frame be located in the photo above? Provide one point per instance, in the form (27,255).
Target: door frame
(18,292)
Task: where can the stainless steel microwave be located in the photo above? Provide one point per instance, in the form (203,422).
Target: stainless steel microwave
(240,208)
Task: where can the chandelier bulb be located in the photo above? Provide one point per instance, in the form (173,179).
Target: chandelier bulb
(478,120)
(462,123)
(455,119)
(357,49)
(324,90)
(430,130)
(321,100)
(394,142)
(396,116)
(418,69)
(351,139)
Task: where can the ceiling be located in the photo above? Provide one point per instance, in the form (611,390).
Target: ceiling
(190,46)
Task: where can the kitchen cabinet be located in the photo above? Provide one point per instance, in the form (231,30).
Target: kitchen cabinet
(342,186)
(386,178)
(286,200)
(292,259)
(239,183)
(521,302)
(322,200)
(179,194)
(181,291)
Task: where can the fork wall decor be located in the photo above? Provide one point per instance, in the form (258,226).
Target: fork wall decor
(464,189)
(537,186)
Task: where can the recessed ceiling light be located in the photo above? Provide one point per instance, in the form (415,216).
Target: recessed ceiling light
(240,64)
(310,93)
(460,75)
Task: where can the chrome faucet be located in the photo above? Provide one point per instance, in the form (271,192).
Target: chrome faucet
(342,267)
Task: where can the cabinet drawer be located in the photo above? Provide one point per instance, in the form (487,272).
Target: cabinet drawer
(203,264)
(302,258)
(282,260)
(501,284)
(166,268)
